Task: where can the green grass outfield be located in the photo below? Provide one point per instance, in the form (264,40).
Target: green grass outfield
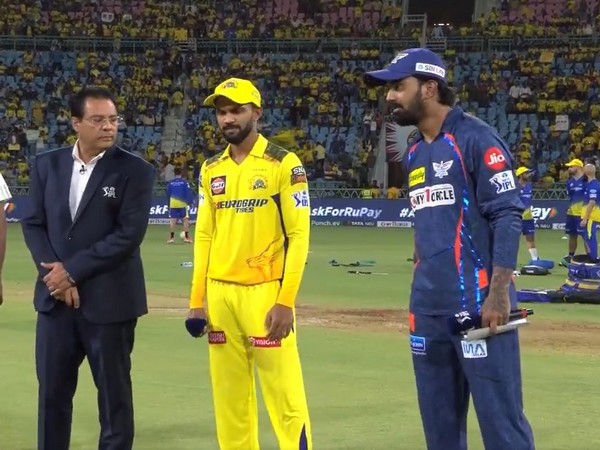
(358,377)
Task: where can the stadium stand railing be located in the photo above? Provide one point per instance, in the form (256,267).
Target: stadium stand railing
(459,43)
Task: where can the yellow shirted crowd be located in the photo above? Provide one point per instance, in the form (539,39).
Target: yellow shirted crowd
(162,20)
(157,20)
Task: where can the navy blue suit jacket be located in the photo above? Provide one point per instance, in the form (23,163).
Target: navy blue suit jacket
(100,248)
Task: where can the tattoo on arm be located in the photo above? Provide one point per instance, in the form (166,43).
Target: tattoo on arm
(498,295)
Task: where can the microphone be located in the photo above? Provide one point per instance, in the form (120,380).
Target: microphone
(465,321)
(83,170)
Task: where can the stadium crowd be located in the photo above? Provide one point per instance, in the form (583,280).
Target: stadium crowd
(543,101)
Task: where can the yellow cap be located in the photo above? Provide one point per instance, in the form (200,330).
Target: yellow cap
(575,163)
(237,90)
(521,170)
(588,141)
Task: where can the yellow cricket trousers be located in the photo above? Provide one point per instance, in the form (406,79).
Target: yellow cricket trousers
(236,344)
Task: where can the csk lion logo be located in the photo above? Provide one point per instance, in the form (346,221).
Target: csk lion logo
(258,182)
(264,262)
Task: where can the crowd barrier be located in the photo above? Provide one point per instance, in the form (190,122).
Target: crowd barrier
(383,213)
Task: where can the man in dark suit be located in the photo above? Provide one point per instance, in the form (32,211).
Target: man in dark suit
(87,215)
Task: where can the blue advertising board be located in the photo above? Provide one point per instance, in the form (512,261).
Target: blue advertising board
(382,213)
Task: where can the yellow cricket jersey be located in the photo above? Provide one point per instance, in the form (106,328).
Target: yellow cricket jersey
(177,204)
(575,209)
(594,215)
(253,221)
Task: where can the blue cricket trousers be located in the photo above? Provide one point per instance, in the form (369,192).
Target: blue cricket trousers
(448,369)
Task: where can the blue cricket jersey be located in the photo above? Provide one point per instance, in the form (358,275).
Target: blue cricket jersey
(467,210)
(526,197)
(576,191)
(179,193)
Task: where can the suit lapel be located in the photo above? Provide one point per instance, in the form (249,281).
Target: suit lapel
(92,186)
(65,170)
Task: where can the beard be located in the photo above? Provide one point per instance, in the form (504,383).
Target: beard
(235,135)
(412,114)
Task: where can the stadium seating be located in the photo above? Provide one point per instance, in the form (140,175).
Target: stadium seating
(153,18)
(62,81)
(308,100)
(555,12)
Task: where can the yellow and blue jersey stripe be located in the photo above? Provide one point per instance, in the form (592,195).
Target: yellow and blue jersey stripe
(179,193)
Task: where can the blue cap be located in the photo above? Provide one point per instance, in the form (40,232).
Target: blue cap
(409,63)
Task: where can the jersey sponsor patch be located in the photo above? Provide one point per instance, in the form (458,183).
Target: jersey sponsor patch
(243,205)
(503,181)
(263,342)
(258,182)
(216,337)
(474,349)
(416,176)
(298,175)
(441,169)
(432,196)
(418,345)
(494,158)
(217,185)
(300,199)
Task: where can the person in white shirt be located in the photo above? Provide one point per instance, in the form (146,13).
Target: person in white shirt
(86,216)
(5,195)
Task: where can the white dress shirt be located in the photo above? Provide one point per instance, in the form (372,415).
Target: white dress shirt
(79,178)
(4,191)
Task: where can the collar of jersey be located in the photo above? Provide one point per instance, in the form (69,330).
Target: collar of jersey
(454,115)
(258,150)
(447,126)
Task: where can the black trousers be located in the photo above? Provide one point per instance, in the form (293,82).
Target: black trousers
(64,337)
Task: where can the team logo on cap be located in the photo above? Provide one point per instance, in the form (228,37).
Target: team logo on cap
(398,57)
(230,84)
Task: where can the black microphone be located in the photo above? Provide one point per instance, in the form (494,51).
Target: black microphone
(83,170)
(465,320)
